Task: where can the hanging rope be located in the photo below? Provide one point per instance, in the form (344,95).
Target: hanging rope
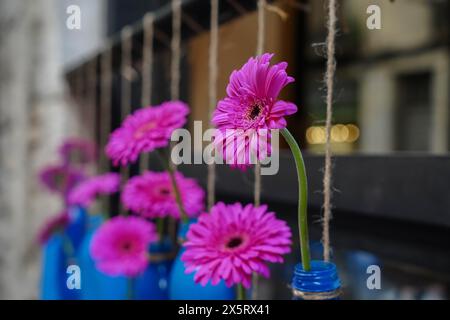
(147,72)
(92,96)
(105,114)
(176,50)
(329,78)
(213,71)
(125,87)
(105,104)
(147,60)
(126,71)
(257,187)
(175,46)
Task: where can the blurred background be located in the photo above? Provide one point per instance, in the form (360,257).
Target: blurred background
(390,132)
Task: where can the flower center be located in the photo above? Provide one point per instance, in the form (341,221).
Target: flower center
(142,130)
(234,242)
(127,246)
(164,191)
(254,111)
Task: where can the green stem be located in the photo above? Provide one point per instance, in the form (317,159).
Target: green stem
(240,292)
(160,228)
(176,190)
(302,198)
(130,288)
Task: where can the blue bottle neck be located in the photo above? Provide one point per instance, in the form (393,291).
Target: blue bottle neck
(322,278)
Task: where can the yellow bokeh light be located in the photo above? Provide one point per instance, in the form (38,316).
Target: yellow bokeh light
(353,133)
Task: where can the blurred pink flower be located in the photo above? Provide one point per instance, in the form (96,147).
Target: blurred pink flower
(85,193)
(251,109)
(145,130)
(52,225)
(120,246)
(232,242)
(151,195)
(60,178)
(78,151)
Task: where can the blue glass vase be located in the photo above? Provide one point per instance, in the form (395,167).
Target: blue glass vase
(79,219)
(54,266)
(153,283)
(320,283)
(183,287)
(95,284)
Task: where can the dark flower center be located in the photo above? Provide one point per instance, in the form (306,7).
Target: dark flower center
(234,242)
(164,191)
(127,246)
(254,111)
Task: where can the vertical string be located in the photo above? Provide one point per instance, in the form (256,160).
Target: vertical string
(92,96)
(176,50)
(126,36)
(257,187)
(147,60)
(213,71)
(329,78)
(105,113)
(175,46)
(259,51)
(105,104)
(125,87)
(147,72)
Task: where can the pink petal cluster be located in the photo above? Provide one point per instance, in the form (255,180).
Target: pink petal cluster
(52,225)
(145,130)
(60,178)
(251,109)
(120,246)
(78,151)
(151,195)
(232,242)
(85,193)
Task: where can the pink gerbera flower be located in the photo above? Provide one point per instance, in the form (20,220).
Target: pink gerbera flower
(52,225)
(86,192)
(151,195)
(78,151)
(145,130)
(233,242)
(120,246)
(251,109)
(60,178)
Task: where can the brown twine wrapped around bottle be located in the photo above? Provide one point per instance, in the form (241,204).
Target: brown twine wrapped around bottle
(328,295)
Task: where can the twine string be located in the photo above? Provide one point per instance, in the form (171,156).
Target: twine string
(92,96)
(147,72)
(213,71)
(126,36)
(175,46)
(257,187)
(105,103)
(329,79)
(125,88)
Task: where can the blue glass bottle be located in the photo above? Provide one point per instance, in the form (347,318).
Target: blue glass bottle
(320,283)
(58,253)
(153,283)
(95,284)
(76,230)
(183,287)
